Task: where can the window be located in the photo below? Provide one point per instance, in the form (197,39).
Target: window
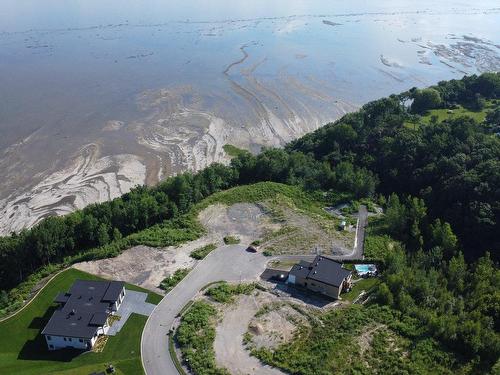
(81,340)
(65,339)
(51,346)
(70,339)
(49,338)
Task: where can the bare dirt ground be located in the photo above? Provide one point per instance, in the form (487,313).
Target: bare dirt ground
(229,350)
(147,266)
(246,221)
(276,326)
(142,265)
(267,319)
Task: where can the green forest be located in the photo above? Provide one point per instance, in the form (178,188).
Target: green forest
(430,156)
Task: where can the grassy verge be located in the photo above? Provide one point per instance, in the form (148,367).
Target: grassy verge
(195,335)
(231,240)
(23,349)
(202,252)
(170,282)
(444,114)
(173,355)
(224,292)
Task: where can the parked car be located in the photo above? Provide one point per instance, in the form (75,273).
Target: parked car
(252,249)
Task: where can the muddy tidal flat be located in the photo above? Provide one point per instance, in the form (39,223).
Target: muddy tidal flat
(97,97)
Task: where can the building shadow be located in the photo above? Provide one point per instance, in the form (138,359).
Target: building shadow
(282,289)
(36,349)
(305,295)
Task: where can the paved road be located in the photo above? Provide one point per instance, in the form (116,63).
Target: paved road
(231,263)
(360,234)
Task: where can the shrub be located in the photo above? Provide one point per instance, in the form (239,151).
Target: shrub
(224,292)
(195,335)
(203,251)
(170,282)
(231,240)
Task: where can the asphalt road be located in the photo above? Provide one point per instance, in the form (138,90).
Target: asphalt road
(231,263)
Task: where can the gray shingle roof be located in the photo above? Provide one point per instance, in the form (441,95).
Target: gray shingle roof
(84,310)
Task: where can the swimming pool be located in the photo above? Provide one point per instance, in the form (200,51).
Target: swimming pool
(365,268)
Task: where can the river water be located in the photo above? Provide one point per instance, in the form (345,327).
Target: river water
(98,96)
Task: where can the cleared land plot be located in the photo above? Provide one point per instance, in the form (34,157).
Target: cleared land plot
(230,352)
(444,114)
(23,350)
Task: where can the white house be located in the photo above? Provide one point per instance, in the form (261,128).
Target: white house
(83,314)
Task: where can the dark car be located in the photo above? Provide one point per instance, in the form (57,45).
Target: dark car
(252,249)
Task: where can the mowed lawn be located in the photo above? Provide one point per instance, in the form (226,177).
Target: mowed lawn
(444,114)
(23,349)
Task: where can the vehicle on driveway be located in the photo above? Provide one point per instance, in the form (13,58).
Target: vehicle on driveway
(252,249)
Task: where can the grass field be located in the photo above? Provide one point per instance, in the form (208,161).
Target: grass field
(444,114)
(23,349)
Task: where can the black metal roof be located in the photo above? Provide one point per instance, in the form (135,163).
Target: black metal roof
(328,271)
(300,270)
(113,291)
(322,269)
(85,309)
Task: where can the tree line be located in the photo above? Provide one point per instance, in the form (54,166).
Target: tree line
(456,303)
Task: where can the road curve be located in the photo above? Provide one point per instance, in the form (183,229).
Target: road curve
(231,263)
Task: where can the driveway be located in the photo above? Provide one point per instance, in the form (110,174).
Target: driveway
(230,263)
(360,234)
(134,302)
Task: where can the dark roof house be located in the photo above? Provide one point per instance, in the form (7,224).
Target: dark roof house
(84,309)
(324,275)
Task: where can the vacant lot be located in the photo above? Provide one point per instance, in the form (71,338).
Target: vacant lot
(23,349)
(230,352)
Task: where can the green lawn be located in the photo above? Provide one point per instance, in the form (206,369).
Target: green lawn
(23,349)
(365,284)
(444,113)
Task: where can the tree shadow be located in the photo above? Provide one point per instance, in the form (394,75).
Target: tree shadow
(36,349)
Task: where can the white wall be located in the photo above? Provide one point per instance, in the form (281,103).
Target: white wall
(58,342)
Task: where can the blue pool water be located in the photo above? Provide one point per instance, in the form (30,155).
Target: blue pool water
(365,268)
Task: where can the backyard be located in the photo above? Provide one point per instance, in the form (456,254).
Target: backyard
(23,349)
